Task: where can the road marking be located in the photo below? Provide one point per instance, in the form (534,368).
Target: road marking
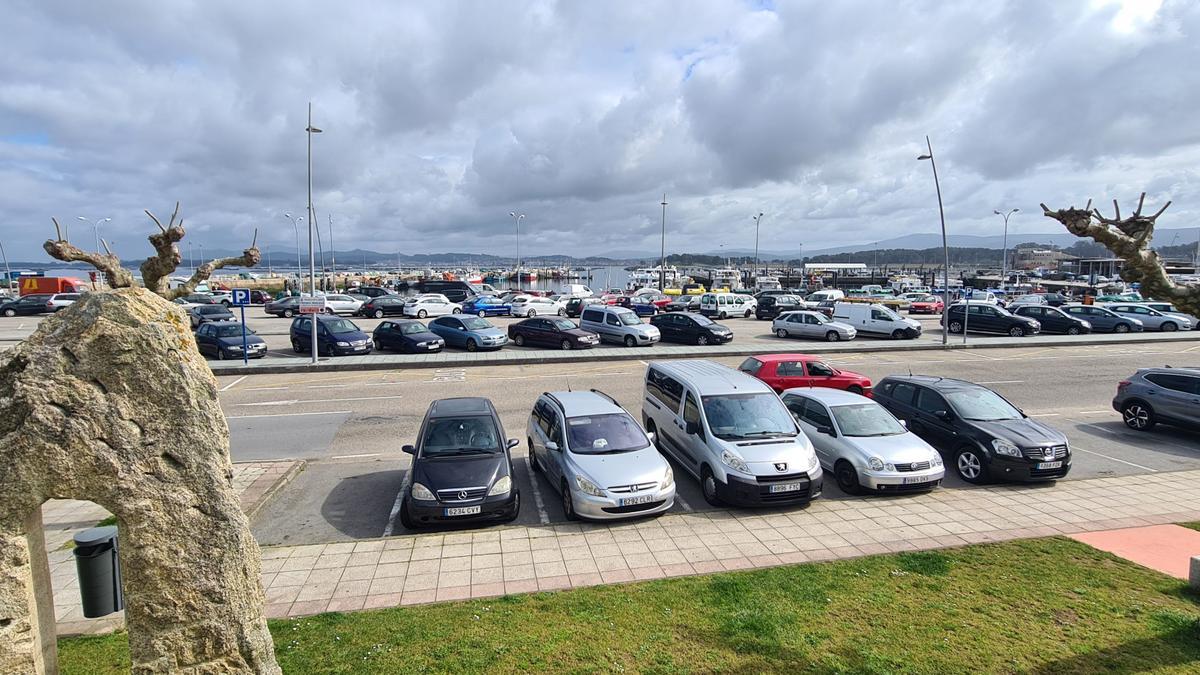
(328,386)
(391,523)
(1092,412)
(366,454)
(1129,435)
(265,389)
(321,400)
(1189,349)
(230,385)
(1045,415)
(682,502)
(328,412)
(1003,382)
(543,517)
(262,403)
(1146,468)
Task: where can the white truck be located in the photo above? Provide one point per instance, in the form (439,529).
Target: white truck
(876,319)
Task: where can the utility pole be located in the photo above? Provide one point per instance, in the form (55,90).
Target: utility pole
(662,260)
(332,253)
(1004,261)
(945,248)
(757,222)
(517,219)
(312,263)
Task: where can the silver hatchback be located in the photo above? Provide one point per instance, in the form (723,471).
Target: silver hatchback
(803,323)
(1152,319)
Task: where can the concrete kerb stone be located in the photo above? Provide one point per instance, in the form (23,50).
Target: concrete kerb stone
(1194,573)
(502,358)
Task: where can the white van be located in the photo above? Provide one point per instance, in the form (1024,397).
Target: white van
(725,305)
(731,432)
(876,320)
(822,296)
(575,291)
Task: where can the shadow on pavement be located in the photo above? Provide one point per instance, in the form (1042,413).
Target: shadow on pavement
(359,506)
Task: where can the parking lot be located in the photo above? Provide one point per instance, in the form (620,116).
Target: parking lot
(350,427)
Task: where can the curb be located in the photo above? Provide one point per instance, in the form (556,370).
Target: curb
(501,358)
(294,470)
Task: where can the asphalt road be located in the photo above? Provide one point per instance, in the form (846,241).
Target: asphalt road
(350,427)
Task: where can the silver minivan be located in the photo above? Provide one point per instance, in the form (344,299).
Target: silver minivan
(731,432)
(597,457)
(618,324)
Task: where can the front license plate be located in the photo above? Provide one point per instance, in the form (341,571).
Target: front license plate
(1049,465)
(462,510)
(360,348)
(786,487)
(630,501)
(913,480)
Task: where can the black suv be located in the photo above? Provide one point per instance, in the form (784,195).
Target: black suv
(771,306)
(462,470)
(978,431)
(690,329)
(988,318)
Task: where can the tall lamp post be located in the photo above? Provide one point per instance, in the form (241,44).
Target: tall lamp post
(296,231)
(1004,262)
(517,219)
(312,262)
(757,222)
(945,247)
(332,254)
(95,228)
(7,272)
(662,255)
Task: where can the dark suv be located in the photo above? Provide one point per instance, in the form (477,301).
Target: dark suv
(335,336)
(25,305)
(1153,395)
(771,306)
(462,470)
(978,431)
(988,318)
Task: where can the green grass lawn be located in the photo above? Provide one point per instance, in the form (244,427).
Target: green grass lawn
(1041,606)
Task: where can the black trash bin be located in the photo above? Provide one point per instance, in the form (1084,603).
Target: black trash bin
(99,570)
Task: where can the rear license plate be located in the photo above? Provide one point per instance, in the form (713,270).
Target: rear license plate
(914,480)
(1049,465)
(787,487)
(631,501)
(462,510)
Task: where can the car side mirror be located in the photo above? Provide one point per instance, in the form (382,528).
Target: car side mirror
(408,449)
(692,428)
(828,431)
(652,436)
(904,423)
(552,446)
(942,414)
(512,443)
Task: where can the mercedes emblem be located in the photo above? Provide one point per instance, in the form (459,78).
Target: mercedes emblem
(462,494)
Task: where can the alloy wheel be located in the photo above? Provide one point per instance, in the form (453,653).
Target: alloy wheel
(379,314)
(1137,416)
(702,340)
(781,333)
(1121,328)
(1073,330)
(969,466)
(566,345)
(1016,331)
(831,336)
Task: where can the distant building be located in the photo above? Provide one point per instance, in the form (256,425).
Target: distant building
(1031,258)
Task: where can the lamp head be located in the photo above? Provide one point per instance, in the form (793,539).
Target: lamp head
(924,157)
(81,218)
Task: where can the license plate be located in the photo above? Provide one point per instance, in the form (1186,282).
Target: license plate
(1049,465)
(787,487)
(360,348)
(431,346)
(913,480)
(630,501)
(462,510)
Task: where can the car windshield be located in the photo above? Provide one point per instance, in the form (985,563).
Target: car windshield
(982,405)
(476,323)
(212,310)
(821,318)
(450,436)
(866,419)
(890,314)
(564,324)
(629,319)
(414,328)
(703,320)
(231,331)
(738,416)
(927,298)
(604,434)
(337,326)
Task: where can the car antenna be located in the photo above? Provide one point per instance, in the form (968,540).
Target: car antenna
(910,370)
(568,384)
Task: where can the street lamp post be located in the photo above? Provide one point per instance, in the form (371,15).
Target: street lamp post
(662,256)
(945,248)
(332,254)
(296,231)
(191,260)
(95,228)
(312,262)
(757,222)
(517,219)
(7,272)
(1004,261)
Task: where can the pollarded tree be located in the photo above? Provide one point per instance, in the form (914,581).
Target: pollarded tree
(1130,239)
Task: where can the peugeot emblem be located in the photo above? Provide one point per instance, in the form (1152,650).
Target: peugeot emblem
(462,494)
(781,466)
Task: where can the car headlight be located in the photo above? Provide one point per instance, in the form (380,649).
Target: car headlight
(936,461)
(815,464)
(588,487)
(875,463)
(421,492)
(668,479)
(734,462)
(1003,447)
(501,487)
(343,344)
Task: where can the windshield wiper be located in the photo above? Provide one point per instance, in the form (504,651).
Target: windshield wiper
(466,451)
(768,434)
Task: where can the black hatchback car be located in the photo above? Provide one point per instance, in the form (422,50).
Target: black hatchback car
(383,305)
(335,336)
(26,305)
(684,303)
(551,332)
(987,318)
(287,307)
(690,329)
(408,335)
(977,430)
(223,340)
(462,470)
(771,306)
(1054,320)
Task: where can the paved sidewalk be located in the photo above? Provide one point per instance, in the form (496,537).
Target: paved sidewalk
(255,483)
(1166,548)
(506,357)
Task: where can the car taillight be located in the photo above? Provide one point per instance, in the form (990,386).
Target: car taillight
(1122,384)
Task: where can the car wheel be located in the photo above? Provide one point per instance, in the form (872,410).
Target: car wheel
(847,477)
(781,333)
(970,466)
(723,316)
(1169,327)
(519,340)
(296,347)
(533,460)
(221,354)
(226,303)
(956,327)
(568,505)
(10,312)
(566,345)
(855,389)
(421,314)
(898,335)
(747,314)
(832,336)
(708,485)
(1073,330)
(629,341)
(1016,331)
(481,313)
(379,345)
(701,340)
(1138,416)
(405,519)
(329,310)
(287,314)
(516,508)
(379,314)
(562,312)
(472,346)
(1121,328)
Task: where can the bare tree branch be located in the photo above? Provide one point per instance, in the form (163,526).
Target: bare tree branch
(114,275)
(249,258)
(157,269)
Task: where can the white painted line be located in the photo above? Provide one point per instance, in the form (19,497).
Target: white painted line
(391,523)
(359,456)
(231,384)
(1145,468)
(1003,382)
(543,517)
(265,389)
(328,386)
(1093,412)
(682,502)
(263,403)
(1045,415)
(328,412)
(321,400)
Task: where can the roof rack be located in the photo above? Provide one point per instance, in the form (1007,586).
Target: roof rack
(614,401)
(557,402)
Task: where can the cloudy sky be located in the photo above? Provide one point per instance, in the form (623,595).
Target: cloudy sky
(442,117)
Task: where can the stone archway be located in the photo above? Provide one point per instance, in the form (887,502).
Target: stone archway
(110,401)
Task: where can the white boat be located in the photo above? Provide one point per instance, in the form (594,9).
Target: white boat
(644,277)
(726,277)
(767,284)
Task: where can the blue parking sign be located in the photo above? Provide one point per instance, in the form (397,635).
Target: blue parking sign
(241,297)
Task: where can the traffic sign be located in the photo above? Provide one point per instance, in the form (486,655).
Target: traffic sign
(312,305)
(241,297)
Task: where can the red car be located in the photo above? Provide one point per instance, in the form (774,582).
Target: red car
(784,371)
(930,304)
